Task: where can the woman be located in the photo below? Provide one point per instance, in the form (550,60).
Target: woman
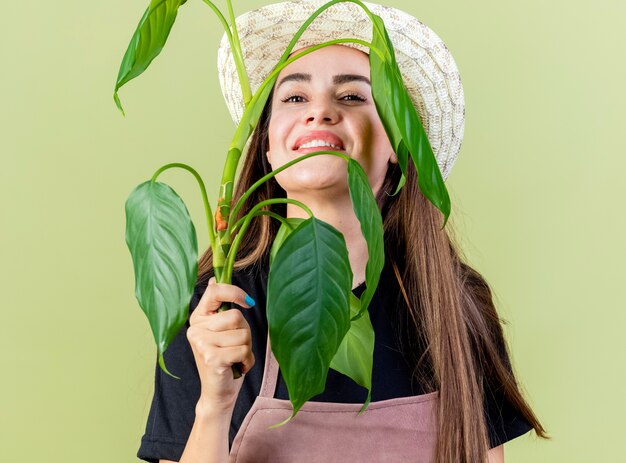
(440,355)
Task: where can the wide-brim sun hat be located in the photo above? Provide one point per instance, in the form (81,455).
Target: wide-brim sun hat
(428,69)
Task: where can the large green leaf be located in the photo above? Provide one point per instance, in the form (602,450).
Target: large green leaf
(283,232)
(147,41)
(355,356)
(366,210)
(429,177)
(380,40)
(308,306)
(400,117)
(162,241)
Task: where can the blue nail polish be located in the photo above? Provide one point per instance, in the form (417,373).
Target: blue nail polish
(250,301)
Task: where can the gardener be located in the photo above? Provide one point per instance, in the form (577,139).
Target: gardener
(443,389)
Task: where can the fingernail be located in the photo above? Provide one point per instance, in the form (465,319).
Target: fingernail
(250,301)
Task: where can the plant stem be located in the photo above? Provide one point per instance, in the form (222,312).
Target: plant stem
(230,259)
(311,18)
(265,178)
(235,46)
(222,19)
(313,48)
(270,213)
(205,199)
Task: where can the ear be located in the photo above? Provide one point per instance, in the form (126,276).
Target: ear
(269,157)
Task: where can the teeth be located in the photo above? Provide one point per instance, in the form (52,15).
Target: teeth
(316,143)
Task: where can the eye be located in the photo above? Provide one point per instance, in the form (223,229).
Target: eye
(352,97)
(293,99)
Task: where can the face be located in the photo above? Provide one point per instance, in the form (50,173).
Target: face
(323,101)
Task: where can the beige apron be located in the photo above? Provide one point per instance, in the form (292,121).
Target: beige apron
(394,430)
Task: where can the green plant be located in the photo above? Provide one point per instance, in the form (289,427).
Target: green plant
(162,239)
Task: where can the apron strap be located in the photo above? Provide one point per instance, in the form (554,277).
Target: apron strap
(270,373)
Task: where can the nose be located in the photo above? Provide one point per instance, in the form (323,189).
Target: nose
(322,112)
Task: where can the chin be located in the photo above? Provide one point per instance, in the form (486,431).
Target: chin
(314,175)
(328,180)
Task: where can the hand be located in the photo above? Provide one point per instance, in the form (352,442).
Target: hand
(219,340)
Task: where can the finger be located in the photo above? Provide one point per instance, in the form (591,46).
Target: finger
(217,293)
(227,356)
(203,338)
(238,354)
(230,338)
(220,321)
(248,363)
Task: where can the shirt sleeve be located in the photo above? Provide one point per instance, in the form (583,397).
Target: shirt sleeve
(504,421)
(172,412)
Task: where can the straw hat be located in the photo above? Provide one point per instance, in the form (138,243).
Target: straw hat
(428,69)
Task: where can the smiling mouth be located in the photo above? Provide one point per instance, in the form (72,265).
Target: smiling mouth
(321,144)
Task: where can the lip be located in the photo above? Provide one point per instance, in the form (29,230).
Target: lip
(324,135)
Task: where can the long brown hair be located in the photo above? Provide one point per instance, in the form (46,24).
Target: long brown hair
(450,314)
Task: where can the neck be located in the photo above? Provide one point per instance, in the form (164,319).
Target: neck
(337,211)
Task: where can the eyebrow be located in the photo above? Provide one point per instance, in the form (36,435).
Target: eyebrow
(337,80)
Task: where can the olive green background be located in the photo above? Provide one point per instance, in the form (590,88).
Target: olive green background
(537,196)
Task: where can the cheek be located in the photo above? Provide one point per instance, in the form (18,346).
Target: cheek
(278,131)
(383,151)
(375,145)
(370,128)
(376,152)
(272,132)
(382,140)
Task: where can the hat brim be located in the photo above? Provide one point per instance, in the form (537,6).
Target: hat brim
(428,69)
